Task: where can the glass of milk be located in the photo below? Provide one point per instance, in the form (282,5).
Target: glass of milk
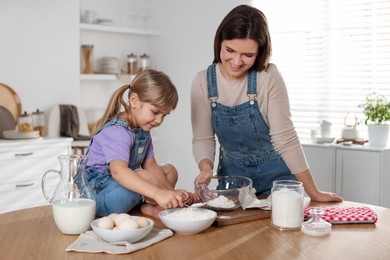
(287,204)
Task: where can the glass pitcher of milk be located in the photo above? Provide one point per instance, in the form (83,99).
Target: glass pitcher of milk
(73,201)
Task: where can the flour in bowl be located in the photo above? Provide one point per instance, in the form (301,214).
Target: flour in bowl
(189,214)
(221,202)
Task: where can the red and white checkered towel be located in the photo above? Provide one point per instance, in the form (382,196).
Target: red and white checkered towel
(350,215)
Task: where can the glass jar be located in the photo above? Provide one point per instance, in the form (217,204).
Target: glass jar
(287,204)
(38,120)
(144,62)
(132,62)
(87,51)
(25,123)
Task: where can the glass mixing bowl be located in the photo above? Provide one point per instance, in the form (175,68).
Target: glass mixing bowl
(224,193)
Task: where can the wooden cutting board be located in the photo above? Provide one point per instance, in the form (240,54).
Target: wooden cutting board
(225,218)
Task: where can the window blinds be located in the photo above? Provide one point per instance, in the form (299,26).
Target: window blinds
(331,53)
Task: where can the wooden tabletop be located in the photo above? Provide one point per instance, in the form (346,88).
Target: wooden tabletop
(32,234)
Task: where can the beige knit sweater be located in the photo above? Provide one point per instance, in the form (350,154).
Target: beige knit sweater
(274,107)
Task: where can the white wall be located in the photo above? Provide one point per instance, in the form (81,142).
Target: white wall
(39,59)
(184,48)
(38,49)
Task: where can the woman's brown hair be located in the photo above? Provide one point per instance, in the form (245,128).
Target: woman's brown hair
(151,86)
(245,22)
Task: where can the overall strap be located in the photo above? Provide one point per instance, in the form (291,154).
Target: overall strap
(113,121)
(212,82)
(252,84)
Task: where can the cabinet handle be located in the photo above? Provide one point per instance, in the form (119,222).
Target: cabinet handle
(24,185)
(23,154)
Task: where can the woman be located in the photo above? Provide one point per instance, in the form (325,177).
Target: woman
(242,100)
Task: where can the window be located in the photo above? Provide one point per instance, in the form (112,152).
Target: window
(331,53)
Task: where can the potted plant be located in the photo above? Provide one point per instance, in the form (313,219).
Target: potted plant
(377,111)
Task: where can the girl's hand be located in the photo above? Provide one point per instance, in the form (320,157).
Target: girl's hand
(169,199)
(187,197)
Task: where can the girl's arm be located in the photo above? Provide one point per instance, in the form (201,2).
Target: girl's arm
(156,173)
(132,181)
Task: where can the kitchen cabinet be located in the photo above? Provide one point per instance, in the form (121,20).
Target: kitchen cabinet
(358,173)
(23,163)
(321,162)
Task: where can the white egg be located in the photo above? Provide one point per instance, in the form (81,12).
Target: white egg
(106,223)
(128,224)
(120,218)
(112,216)
(142,222)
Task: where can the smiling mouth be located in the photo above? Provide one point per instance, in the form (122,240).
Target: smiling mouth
(234,67)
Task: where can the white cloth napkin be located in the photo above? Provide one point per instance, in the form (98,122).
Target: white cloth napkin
(248,199)
(90,243)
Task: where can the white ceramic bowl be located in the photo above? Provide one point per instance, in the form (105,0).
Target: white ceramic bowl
(187,220)
(131,236)
(224,193)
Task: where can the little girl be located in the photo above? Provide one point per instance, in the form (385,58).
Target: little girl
(121,168)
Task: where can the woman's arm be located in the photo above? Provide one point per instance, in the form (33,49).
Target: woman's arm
(312,190)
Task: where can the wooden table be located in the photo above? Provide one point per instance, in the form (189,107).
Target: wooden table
(32,234)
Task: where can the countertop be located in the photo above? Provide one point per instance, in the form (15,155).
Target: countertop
(32,234)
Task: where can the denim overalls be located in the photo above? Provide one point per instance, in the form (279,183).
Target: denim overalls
(245,142)
(111,197)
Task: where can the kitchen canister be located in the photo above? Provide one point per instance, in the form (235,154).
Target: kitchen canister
(87,52)
(25,122)
(144,62)
(38,120)
(287,204)
(132,61)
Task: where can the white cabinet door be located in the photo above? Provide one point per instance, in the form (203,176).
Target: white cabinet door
(358,175)
(321,161)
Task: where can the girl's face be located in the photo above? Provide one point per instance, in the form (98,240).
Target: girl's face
(237,57)
(145,115)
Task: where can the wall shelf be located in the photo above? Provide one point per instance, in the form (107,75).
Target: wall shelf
(117,29)
(124,78)
(98,77)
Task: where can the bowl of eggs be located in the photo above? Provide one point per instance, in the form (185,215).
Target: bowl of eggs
(224,193)
(187,221)
(122,227)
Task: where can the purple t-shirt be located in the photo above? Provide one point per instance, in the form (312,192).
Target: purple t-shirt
(113,143)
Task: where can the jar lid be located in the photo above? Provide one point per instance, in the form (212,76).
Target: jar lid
(144,55)
(131,55)
(316,226)
(87,46)
(37,112)
(25,114)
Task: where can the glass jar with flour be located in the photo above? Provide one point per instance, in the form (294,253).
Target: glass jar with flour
(287,204)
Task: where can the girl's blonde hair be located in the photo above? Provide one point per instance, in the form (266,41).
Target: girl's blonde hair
(151,86)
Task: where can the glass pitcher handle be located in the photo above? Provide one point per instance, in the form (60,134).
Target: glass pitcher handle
(43,184)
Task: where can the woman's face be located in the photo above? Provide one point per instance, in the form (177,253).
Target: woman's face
(237,57)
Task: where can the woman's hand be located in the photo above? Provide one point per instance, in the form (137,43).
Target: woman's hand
(326,197)
(314,193)
(206,172)
(203,177)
